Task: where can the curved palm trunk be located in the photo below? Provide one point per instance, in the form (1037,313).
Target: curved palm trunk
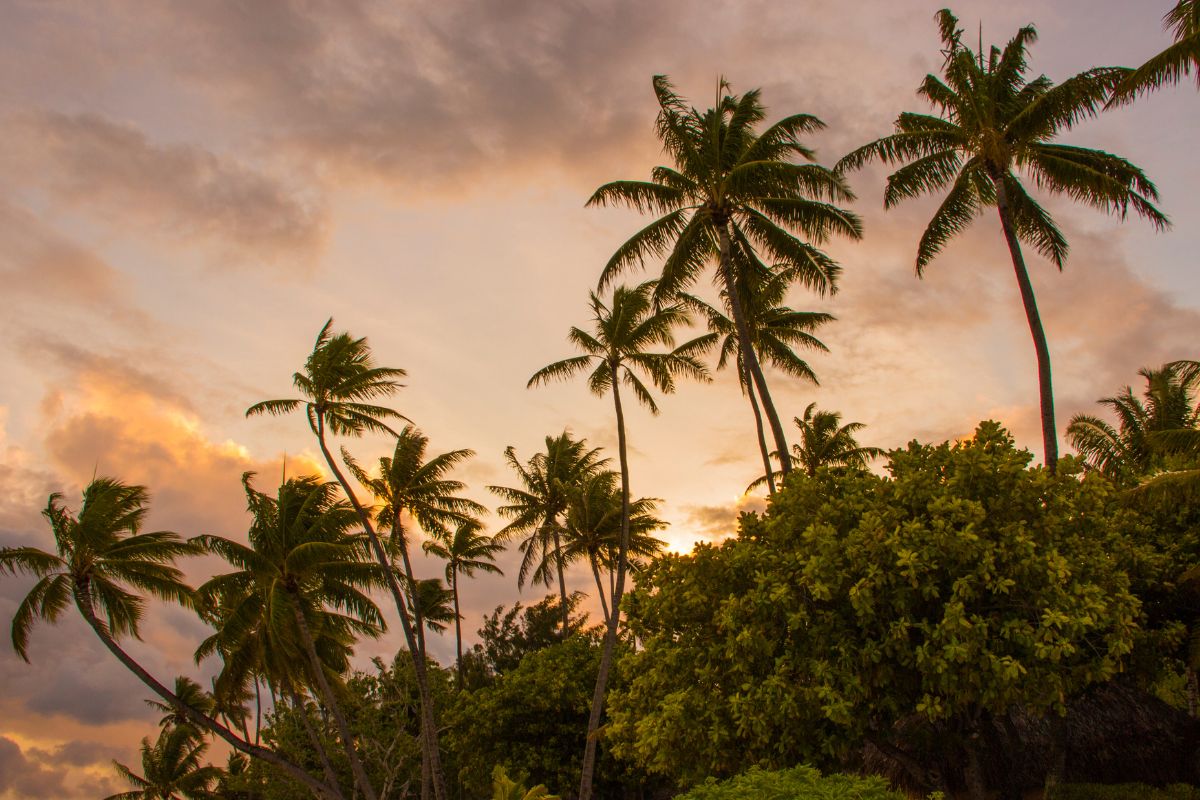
(318,745)
(1045,389)
(562,582)
(614,617)
(768,470)
(335,708)
(749,357)
(83,603)
(429,731)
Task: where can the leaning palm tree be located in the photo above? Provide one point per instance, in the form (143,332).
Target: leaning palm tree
(101,555)
(776,330)
(172,767)
(466,551)
(592,530)
(615,352)
(732,195)
(338,381)
(1171,65)
(825,442)
(993,124)
(301,591)
(535,509)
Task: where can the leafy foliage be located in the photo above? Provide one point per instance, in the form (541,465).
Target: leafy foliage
(532,720)
(797,783)
(961,585)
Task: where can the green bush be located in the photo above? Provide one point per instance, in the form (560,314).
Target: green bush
(797,783)
(1123,791)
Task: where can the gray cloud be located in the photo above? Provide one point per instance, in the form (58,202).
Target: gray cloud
(182,191)
(20,777)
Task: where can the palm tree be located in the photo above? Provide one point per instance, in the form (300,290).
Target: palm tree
(824,442)
(339,378)
(410,484)
(615,353)
(1171,65)
(466,551)
(300,593)
(992,124)
(776,331)
(732,194)
(172,768)
(102,553)
(1131,451)
(536,508)
(592,529)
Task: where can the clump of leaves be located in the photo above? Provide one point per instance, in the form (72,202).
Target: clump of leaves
(797,783)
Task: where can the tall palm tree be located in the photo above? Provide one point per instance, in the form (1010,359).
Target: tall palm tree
(101,555)
(466,551)
(536,507)
(1130,451)
(592,529)
(1171,65)
(825,442)
(172,767)
(338,380)
(776,330)
(732,194)
(300,591)
(992,125)
(615,352)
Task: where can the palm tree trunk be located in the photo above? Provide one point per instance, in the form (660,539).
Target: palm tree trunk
(458,665)
(84,604)
(562,582)
(318,745)
(758,425)
(1045,388)
(599,587)
(429,735)
(335,708)
(746,345)
(610,634)
(398,535)
(257,710)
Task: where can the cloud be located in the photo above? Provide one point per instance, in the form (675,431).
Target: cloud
(54,278)
(20,777)
(716,522)
(183,192)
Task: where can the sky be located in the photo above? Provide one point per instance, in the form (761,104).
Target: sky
(190,190)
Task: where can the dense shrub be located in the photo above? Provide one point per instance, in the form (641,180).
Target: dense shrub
(798,783)
(961,585)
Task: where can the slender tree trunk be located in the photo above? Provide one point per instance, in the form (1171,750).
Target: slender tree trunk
(768,470)
(1045,387)
(458,665)
(318,745)
(562,582)
(746,344)
(429,729)
(599,587)
(331,702)
(610,634)
(257,710)
(399,535)
(84,604)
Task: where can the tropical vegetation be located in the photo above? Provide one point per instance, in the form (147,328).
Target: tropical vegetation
(941,620)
